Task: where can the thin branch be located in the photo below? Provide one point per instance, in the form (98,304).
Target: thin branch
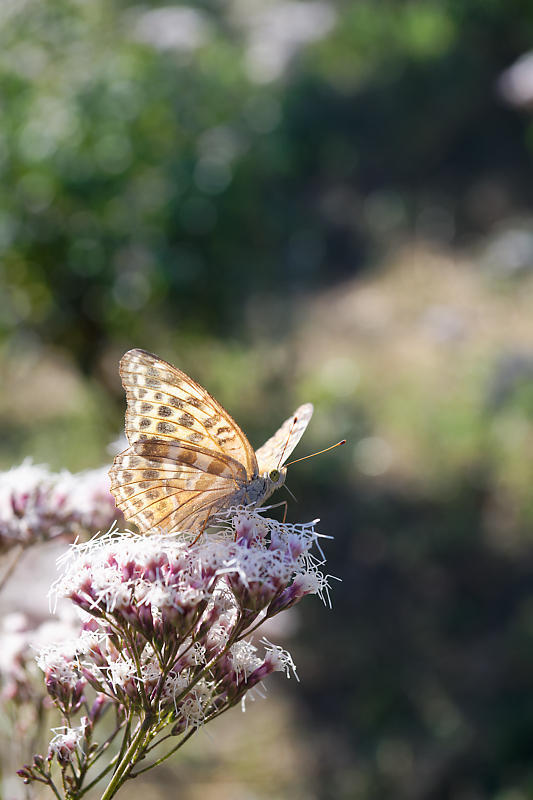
(12,558)
(127,760)
(167,755)
(98,777)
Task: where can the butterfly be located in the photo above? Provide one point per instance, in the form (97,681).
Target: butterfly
(187,458)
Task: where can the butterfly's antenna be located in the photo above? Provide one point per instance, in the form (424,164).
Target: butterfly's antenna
(295,420)
(289,491)
(316,454)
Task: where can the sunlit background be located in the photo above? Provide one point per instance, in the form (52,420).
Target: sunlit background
(324,200)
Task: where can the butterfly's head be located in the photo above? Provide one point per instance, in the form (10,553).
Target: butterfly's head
(275,478)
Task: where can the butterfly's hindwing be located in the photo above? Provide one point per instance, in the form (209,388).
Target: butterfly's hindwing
(167,483)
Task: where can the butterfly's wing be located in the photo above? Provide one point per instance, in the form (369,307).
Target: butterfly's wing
(163,402)
(165,406)
(277,449)
(173,485)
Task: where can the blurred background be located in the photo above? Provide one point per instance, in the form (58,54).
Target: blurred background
(324,200)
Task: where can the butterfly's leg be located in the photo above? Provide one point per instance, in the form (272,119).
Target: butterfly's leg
(277,505)
(206,520)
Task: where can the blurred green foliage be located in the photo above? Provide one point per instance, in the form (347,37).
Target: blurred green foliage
(237,186)
(151,182)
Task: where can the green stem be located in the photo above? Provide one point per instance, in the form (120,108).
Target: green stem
(124,740)
(103,747)
(137,745)
(180,743)
(167,755)
(130,638)
(249,631)
(98,778)
(156,744)
(52,786)
(128,760)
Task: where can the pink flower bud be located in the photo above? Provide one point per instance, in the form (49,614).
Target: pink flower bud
(300,587)
(91,679)
(244,530)
(38,762)
(252,596)
(146,620)
(25,774)
(130,688)
(296,546)
(100,704)
(18,503)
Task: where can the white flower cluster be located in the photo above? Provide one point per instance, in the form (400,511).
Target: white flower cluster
(66,741)
(21,636)
(37,505)
(166,637)
(170,620)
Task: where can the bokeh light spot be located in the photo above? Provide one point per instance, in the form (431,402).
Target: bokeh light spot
(372,456)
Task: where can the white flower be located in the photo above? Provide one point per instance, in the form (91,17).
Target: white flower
(245,660)
(89,494)
(193,707)
(66,740)
(197,654)
(57,660)
(37,504)
(279,659)
(219,632)
(174,606)
(175,684)
(121,671)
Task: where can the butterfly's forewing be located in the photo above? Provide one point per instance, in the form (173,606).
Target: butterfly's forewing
(172,484)
(187,456)
(163,402)
(278,448)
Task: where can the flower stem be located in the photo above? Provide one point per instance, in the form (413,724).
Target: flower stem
(167,755)
(128,759)
(12,562)
(97,779)
(53,787)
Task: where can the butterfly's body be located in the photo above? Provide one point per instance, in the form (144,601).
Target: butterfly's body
(261,488)
(187,458)
(255,492)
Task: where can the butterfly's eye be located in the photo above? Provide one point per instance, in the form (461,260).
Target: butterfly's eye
(274,475)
